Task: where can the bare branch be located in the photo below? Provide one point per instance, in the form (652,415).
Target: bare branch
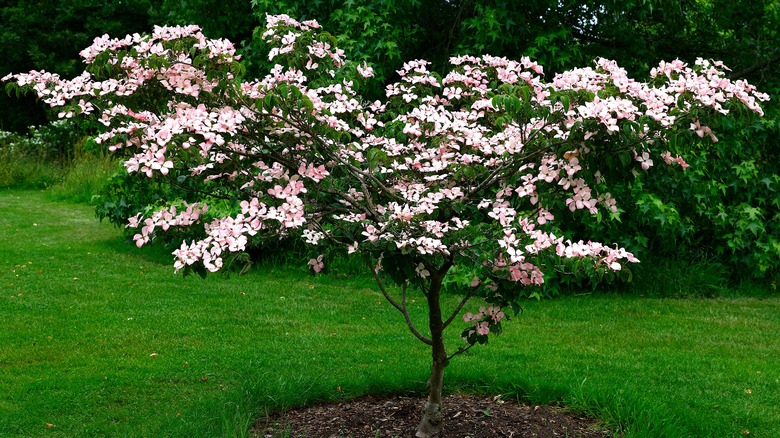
(457,310)
(460,351)
(752,68)
(400,308)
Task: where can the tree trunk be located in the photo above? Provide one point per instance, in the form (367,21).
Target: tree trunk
(433,410)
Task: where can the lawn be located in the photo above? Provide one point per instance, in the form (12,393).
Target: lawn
(98,338)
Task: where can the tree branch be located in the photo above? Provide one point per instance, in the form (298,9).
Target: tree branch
(459,308)
(461,350)
(400,308)
(752,68)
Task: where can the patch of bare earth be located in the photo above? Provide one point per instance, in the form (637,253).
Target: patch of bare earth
(397,416)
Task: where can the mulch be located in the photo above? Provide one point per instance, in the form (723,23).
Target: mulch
(467,416)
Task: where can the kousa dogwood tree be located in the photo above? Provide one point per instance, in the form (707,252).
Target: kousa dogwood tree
(449,183)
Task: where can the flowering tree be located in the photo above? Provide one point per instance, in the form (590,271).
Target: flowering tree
(448,184)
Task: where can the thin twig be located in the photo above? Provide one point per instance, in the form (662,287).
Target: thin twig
(459,308)
(400,308)
(461,350)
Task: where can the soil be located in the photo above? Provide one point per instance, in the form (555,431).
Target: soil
(466,416)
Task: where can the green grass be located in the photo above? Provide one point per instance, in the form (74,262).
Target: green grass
(98,338)
(75,179)
(85,176)
(19,170)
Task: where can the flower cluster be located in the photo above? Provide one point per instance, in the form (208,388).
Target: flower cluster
(164,220)
(482,320)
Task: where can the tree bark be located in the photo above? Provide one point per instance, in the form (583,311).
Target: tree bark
(433,410)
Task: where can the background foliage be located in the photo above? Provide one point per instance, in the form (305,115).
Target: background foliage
(725,209)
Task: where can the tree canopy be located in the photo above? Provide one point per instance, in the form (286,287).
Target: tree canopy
(728,213)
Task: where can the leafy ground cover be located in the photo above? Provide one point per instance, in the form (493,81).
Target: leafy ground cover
(98,338)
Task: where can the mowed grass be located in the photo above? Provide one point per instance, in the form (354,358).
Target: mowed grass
(98,338)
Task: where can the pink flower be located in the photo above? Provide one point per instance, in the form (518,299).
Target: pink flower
(365,70)
(317,264)
(645,160)
(421,271)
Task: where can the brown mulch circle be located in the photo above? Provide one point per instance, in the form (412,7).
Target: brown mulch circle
(467,416)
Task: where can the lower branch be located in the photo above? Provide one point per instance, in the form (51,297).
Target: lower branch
(460,351)
(457,310)
(400,308)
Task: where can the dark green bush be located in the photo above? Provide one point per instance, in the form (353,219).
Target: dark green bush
(725,207)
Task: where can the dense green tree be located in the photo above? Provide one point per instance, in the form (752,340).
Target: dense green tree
(559,34)
(48,34)
(231,19)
